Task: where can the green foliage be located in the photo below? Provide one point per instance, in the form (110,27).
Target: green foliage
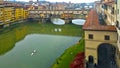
(65,59)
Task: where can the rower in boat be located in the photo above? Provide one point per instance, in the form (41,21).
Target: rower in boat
(34,51)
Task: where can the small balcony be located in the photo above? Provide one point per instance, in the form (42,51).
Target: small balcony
(112,11)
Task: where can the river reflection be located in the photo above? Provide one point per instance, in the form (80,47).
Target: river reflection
(17,45)
(8,39)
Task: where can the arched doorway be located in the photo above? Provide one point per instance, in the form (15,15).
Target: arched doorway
(90,59)
(106,55)
(90,63)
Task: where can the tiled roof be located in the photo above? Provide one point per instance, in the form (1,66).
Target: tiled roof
(110,3)
(92,23)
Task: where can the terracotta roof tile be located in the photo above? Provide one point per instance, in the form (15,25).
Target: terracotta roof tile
(92,23)
(110,3)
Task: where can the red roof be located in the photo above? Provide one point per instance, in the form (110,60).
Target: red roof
(92,23)
(110,3)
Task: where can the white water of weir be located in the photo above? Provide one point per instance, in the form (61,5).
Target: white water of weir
(59,21)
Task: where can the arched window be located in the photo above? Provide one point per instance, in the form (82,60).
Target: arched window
(118,25)
(105,16)
(90,59)
(112,11)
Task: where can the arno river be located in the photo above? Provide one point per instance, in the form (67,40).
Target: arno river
(21,49)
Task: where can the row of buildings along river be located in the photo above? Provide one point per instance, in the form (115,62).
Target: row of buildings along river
(12,11)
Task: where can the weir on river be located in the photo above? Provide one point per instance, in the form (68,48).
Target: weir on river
(59,21)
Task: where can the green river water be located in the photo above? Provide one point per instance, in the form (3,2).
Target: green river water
(48,49)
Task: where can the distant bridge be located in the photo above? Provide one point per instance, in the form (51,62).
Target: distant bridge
(66,15)
(63,14)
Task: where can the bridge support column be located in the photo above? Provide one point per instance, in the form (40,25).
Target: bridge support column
(68,20)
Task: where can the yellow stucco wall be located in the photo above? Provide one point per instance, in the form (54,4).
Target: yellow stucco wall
(99,35)
(8,15)
(118,19)
(91,45)
(25,14)
(1,15)
(118,30)
(19,14)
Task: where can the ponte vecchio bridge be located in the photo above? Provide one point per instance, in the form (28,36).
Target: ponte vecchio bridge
(63,14)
